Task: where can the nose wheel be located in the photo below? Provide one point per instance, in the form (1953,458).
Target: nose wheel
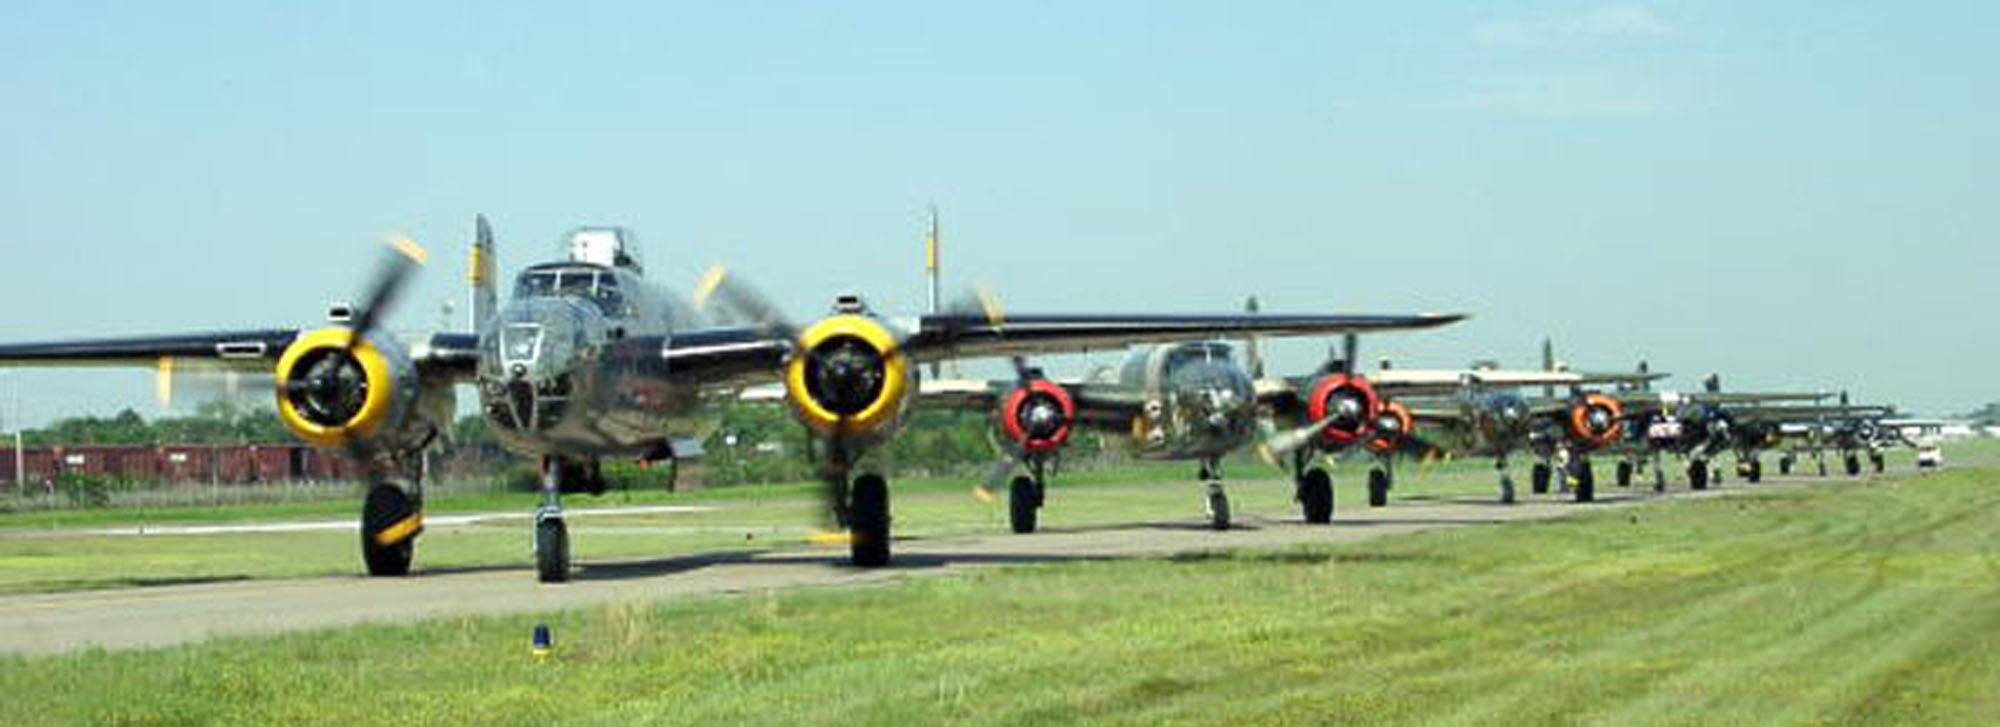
(1218,499)
(551,529)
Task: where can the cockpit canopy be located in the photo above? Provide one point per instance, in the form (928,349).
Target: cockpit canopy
(589,283)
(1140,359)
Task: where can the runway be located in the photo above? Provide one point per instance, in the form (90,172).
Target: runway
(158,616)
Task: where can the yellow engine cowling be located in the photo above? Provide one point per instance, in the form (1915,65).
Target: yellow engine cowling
(332,394)
(849,380)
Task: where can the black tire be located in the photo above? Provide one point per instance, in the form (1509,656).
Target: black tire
(1022,504)
(385,507)
(552,550)
(1316,496)
(1586,482)
(869,521)
(1624,474)
(1880,462)
(1853,466)
(1698,475)
(1755,473)
(1218,509)
(1378,488)
(1506,490)
(1784,465)
(1538,479)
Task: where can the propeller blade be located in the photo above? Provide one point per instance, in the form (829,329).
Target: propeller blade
(736,297)
(388,284)
(996,477)
(1287,441)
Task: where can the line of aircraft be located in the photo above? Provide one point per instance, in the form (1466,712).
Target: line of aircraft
(587,361)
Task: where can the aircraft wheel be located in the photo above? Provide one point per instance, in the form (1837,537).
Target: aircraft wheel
(1698,475)
(1378,488)
(869,521)
(1586,482)
(1624,474)
(551,549)
(1218,507)
(1506,490)
(1315,496)
(387,510)
(1784,465)
(1755,473)
(1853,465)
(1538,479)
(1879,461)
(1022,502)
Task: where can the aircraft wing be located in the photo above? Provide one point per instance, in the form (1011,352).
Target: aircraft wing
(454,354)
(949,336)
(243,350)
(1103,403)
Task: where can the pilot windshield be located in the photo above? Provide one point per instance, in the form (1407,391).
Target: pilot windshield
(597,287)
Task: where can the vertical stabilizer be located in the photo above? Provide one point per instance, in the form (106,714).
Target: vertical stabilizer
(1253,347)
(485,296)
(932,273)
(1548,365)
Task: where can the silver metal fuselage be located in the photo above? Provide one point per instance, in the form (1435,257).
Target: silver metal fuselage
(556,373)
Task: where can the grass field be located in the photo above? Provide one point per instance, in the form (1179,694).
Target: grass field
(1866,602)
(46,551)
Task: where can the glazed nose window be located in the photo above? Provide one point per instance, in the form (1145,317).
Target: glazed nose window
(520,342)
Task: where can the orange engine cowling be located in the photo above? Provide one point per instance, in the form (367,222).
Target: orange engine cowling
(1348,405)
(333,391)
(1037,417)
(1596,420)
(1391,427)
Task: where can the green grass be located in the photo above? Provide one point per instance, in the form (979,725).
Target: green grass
(60,558)
(1856,603)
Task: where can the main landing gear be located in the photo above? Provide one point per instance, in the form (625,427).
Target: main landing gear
(1697,474)
(1751,469)
(1025,496)
(1539,476)
(1584,476)
(1380,479)
(1506,481)
(1624,473)
(391,519)
(1218,500)
(1853,462)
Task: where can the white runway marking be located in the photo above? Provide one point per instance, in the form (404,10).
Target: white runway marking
(350,524)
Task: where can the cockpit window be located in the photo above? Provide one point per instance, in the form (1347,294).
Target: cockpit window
(596,286)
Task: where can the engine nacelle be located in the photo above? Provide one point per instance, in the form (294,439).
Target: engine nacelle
(335,392)
(1038,416)
(1391,427)
(849,379)
(1596,420)
(1347,403)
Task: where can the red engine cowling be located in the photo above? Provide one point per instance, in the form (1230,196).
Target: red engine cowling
(1596,420)
(1347,403)
(1392,426)
(1038,416)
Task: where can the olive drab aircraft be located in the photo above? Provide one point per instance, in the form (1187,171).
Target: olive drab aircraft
(588,361)
(1195,402)
(1381,415)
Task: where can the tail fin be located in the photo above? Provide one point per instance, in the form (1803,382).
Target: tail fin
(1548,365)
(485,298)
(1712,384)
(1253,346)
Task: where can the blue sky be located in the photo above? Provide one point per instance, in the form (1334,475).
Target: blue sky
(1795,194)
